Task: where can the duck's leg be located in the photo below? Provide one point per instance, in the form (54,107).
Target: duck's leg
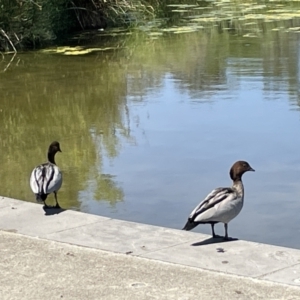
(213,230)
(46,205)
(57,205)
(226,232)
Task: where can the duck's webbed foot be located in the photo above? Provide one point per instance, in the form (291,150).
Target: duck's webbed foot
(51,206)
(216,236)
(48,206)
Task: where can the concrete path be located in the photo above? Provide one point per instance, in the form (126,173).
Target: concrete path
(72,255)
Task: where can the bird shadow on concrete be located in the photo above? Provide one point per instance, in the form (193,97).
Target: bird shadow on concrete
(216,240)
(50,211)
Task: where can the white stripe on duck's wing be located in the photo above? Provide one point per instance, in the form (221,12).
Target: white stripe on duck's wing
(45,179)
(36,180)
(212,199)
(53,179)
(223,211)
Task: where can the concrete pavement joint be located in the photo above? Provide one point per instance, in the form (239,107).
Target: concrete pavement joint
(276,271)
(152,243)
(34,268)
(163,248)
(76,227)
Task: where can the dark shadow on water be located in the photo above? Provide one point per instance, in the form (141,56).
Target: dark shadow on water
(50,211)
(217,240)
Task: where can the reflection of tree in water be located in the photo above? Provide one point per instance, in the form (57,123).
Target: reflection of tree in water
(193,60)
(58,98)
(205,62)
(105,186)
(107,189)
(82,101)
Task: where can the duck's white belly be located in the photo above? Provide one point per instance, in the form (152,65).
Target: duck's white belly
(223,212)
(230,210)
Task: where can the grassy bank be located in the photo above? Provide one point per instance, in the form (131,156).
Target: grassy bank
(27,23)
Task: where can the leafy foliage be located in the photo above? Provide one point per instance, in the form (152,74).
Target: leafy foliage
(29,23)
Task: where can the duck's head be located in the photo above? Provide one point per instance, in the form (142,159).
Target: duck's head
(54,147)
(238,169)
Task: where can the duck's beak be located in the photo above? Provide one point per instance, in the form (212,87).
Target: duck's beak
(251,169)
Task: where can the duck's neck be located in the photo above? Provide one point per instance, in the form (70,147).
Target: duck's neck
(51,157)
(238,186)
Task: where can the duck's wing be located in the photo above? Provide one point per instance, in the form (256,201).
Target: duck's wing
(217,196)
(45,179)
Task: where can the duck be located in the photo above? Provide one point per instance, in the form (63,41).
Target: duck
(223,204)
(46,178)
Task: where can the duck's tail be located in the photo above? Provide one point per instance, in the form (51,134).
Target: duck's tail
(189,225)
(40,197)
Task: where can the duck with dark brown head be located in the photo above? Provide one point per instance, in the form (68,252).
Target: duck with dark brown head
(47,178)
(222,204)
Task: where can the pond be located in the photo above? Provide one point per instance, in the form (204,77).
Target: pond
(152,124)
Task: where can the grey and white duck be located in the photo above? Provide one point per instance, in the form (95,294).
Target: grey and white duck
(222,204)
(47,178)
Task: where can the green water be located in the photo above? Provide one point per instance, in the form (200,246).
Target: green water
(150,126)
